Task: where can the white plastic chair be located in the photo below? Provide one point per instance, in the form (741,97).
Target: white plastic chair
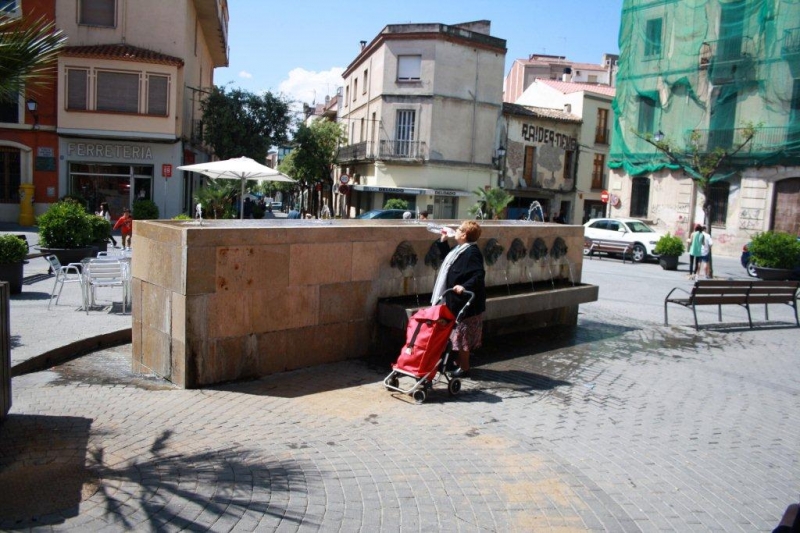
(105,273)
(70,273)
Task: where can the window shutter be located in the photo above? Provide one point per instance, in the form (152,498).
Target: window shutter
(76,89)
(157,95)
(98,13)
(118,91)
(408,67)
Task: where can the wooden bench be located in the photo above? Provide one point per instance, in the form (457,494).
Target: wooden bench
(609,247)
(743,293)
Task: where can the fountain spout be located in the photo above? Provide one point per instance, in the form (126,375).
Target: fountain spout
(199,211)
(535,206)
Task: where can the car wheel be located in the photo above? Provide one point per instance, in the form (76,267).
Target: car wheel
(639,253)
(751,269)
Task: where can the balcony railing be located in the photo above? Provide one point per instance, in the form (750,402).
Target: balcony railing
(791,42)
(387,149)
(766,139)
(399,149)
(728,59)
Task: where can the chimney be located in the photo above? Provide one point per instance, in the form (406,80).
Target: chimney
(567,108)
(363,44)
(567,75)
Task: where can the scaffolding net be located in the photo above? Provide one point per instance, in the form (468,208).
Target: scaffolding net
(698,71)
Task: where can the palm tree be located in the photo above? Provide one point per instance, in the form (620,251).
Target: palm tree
(29,50)
(490,203)
(217,198)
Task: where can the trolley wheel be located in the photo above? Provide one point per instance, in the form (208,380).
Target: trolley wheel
(454,387)
(419,396)
(393,382)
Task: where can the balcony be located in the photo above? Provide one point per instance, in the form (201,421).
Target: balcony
(771,139)
(213,17)
(791,44)
(386,150)
(729,60)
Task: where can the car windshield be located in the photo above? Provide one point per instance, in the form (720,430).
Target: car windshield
(639,227)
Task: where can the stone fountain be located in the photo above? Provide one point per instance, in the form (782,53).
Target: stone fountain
(229,300)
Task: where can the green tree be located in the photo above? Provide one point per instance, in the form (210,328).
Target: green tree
(217,197)
(29,51)
(315,153)
(396,203)
(491,203)
(239,123)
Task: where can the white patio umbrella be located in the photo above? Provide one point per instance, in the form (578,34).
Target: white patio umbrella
(238,168)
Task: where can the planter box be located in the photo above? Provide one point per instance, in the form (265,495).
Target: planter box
(12,273)
(774,274)
(668,262)
(70,255)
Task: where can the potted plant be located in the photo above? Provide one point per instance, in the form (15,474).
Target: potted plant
(65,231)
(669,248)
(101,230)
(775,255)
(12,257)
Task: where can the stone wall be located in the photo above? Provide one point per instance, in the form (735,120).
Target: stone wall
(233,300)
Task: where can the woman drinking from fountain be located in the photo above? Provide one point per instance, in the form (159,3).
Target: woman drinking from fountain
(462,270)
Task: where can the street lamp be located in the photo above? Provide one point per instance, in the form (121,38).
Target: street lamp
(33,108)
(497,161)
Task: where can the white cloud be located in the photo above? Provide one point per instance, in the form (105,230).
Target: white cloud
(245,74)
(307,86)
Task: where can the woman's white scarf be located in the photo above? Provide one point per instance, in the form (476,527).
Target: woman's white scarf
(441,278)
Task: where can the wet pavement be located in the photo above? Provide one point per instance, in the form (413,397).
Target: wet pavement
(619,424)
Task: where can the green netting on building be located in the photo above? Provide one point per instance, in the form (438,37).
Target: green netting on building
(710,67)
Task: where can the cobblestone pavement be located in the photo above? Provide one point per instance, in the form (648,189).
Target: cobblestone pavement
(620,424)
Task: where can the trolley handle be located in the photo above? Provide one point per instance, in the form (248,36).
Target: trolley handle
(466,305)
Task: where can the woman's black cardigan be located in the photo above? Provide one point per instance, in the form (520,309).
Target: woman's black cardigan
(468,272)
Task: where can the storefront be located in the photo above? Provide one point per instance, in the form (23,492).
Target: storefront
(120,173)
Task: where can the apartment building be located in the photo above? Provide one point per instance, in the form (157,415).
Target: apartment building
(524,72)
(695,75)
(126,106)
(591,104)
(421,106)
(539,160)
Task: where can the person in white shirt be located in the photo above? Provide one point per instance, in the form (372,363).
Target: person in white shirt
(701,249)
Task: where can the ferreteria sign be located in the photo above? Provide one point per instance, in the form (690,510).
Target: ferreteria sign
(109,151)
(542,135)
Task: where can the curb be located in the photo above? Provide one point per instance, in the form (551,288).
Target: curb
(71,351)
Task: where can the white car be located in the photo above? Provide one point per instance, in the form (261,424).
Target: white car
(643,237)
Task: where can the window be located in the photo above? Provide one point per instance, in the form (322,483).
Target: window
(363,131)
(652,42)
(640,197)
(10,172)
(409,68)
(718,198)
(592,78)
(10,8)
(647,114)
(404,137)
(364,84)
(355,89)
(529,166)
(117,91)
(77,89)
(601,132)
(346,95)
(97,13)
(157,94)
(569,157)
(9,112)
(794,118)
(598,168)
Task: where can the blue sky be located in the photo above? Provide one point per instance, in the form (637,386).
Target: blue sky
(300,48)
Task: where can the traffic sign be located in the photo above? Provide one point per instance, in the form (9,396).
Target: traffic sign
(604,197)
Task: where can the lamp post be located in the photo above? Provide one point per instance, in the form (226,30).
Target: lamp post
(498,161)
